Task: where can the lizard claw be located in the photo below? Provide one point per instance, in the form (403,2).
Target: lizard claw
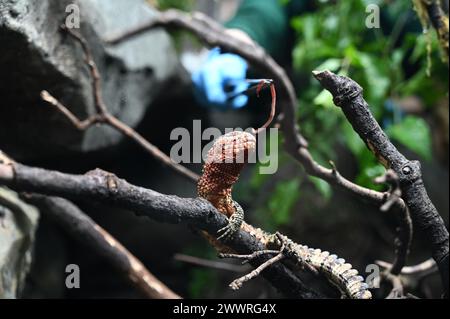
(234,223)
(228,232)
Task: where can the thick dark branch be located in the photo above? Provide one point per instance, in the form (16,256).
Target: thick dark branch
(439,21)
(348,95)
(84,229)
(405,228)
(213,34)
(445,7)
(105,187)
(430,12)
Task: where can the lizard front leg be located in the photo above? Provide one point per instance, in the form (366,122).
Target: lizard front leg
(225,160)
(234,222)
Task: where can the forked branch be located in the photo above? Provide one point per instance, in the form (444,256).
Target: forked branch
(103,116)
(106,188)
(348,95)
(213,34)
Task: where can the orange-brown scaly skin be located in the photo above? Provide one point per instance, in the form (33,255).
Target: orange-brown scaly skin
(225,161)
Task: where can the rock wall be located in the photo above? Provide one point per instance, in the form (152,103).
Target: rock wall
(18,223)
(35,55)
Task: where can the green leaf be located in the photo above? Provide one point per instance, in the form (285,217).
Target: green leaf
(414,133)
(282,200)
(377,79)
(368,174)
(322,186)
(324,99)
(201,282)
(352,139)
(185,5)
(330,64)
(271,158)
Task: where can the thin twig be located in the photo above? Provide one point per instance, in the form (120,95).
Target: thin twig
(237,283)
(213,34)
(423,269)
(248,258)
(103,116)
(95,74)
(397,291)
(394,193)
(210,263)
(437,18)
(403,241)
(411,277)
(272,107)
(405,228)
(81,125)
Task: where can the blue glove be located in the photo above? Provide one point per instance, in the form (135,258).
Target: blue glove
(222,75)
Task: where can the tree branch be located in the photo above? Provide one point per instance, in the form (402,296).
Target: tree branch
(405,229)
(439,21)
(105,187)
(412,277)
(210,263)
(348,95)
(213,34)
(103,116)
(423,269)
(84,229)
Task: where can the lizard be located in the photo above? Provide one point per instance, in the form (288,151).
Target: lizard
(340,274)
(220,173)
(225,161)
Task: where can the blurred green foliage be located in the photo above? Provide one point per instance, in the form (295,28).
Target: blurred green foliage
(414,133)
(391,63)
(184,5)
(282,200)
(202,281)
(178,36)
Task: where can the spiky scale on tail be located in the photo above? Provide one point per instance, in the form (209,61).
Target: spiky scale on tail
(336,270)
(339,273)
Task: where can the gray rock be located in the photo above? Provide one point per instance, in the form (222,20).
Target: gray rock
(18,223)
(36,55)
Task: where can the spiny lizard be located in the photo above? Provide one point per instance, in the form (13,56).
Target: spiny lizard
(225,161)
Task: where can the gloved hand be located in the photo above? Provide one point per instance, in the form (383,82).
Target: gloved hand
(221,75)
